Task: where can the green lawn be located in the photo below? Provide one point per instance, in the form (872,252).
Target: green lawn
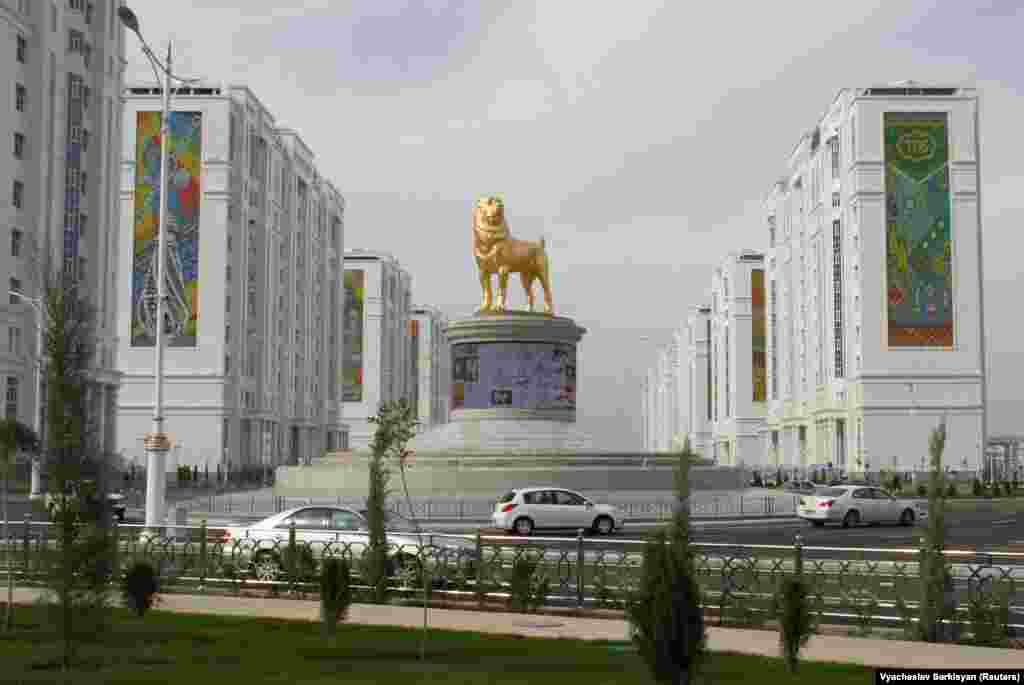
(191,649)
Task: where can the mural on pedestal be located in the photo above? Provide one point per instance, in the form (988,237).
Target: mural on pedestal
(355,290)
(919,287)
(515,375)
(181,266)
(759,335)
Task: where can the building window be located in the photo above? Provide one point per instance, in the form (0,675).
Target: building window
(76,41)
(82,220)
(835,157)
(227,304)
(88,13)
(18,194)
(85,140)
(83,182)
(14,340)
(14,285)
(728,394)
(19,146)
(835,200)
(22,49)
(15,243)
(12,398)
(227,274)
(77,5)
(76,133)
(837,294)
(227,334)
(20,97)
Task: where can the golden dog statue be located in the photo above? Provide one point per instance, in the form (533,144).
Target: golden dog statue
(497,252)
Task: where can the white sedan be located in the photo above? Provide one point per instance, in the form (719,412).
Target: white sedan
(851,505)
(527,509)
(318,526)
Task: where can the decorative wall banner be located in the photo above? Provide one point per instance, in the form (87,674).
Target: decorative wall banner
(181,269)
(759,335)
(414,362)
(516,375)
(919,236)
(355,293)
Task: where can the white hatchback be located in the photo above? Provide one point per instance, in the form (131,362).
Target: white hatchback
(527,509)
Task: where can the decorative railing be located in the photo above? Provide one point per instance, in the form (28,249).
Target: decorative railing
(865,587)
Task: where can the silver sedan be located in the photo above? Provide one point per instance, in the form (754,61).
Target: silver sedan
(851,505)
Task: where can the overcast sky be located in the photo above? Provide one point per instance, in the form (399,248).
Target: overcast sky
(638,137)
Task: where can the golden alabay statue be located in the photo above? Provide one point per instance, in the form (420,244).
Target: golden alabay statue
(497,252)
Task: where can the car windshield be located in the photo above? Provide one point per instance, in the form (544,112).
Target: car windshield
(832,492)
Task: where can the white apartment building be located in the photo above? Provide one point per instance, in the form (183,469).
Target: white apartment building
(874,277)
(378,368)
(431,359)
(737,359)
(663,388)
(256,235)
(648,423)
(698,389)
(60,74)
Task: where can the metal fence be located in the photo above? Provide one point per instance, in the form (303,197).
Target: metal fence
(863,587)
(476,509)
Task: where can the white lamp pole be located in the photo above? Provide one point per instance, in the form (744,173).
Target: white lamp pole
(37,419)
(156,441)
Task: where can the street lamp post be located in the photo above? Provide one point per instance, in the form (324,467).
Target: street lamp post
(156,442)
(37,419)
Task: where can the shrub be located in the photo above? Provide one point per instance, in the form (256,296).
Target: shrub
(897,483)
(1008,488)
(139,587)
(977,488)
(335,594)
(665,613)
(922,490)
(796,620)
(527,589)
(951,490)
(989,616)
(299,563)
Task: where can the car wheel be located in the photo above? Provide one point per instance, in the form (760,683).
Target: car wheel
(851,519)
(603,525)
(818,524)
(523,526)
(907,518)
(266,566)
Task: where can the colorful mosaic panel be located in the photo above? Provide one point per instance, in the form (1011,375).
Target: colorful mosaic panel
(181,265)
(355,293)
(759,336)
(919,273)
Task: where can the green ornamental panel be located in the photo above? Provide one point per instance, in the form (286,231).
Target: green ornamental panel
(919,274)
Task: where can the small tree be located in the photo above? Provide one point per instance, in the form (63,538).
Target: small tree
(14,437)
(335,594)
(934,575)
(796,620)
(396,426)
(79,572)
(665,613)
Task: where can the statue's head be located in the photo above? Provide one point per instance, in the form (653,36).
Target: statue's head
(491,209)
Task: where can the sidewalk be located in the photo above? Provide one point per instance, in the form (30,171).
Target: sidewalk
(851,650)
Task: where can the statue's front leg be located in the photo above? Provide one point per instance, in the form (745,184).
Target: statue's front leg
(485,287)
(502,289)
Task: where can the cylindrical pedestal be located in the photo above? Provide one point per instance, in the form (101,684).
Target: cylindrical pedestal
(513,385)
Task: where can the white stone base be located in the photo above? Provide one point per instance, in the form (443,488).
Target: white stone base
(503,435)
